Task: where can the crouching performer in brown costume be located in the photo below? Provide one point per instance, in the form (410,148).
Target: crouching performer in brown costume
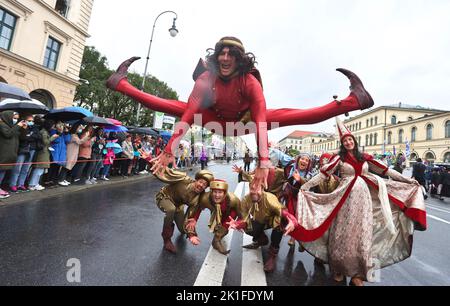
(222,205)
(172,198)
(261,210)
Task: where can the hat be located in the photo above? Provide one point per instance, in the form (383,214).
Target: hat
(342,129)
(324,156)
(219,185)
(230,41)
(204,174)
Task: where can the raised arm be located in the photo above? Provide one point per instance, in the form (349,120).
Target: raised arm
(194,106)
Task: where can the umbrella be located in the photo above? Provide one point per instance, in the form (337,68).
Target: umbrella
(9,91)
(146,131)
(116,147)
(24,106)
(95,120)
(114,121)
(165,135)
(115,128)
(185,143)
(68,113)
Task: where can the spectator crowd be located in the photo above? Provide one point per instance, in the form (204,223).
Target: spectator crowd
(38,153)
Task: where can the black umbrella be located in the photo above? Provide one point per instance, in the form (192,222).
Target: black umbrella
(24,106)
(68,113)
(146,131)
(96,120)
(9,91)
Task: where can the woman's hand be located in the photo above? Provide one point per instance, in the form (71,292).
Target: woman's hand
(296,176)
(415,182)
(161,162)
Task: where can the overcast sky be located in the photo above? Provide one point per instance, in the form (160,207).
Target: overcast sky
(399,48)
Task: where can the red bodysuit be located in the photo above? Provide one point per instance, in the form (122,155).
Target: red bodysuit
(227,101)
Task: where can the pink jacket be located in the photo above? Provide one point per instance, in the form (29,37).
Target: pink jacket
(109,157)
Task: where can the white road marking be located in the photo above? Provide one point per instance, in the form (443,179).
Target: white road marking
(438,219)
(252,265)
(437,208)
(213,268)
(252,273)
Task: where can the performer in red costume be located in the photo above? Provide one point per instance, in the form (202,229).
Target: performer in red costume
(367,222)
(230,91)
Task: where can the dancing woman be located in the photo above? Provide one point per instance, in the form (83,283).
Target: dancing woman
(367,222)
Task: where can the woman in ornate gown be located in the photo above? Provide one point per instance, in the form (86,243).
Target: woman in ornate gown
(367,222)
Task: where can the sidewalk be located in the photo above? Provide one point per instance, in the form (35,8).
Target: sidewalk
(53,191)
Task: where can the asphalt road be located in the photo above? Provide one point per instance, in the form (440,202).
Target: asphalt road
(115,234)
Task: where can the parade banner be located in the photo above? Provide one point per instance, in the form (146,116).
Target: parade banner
(158,120)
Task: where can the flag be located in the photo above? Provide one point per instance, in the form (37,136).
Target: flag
(408,149)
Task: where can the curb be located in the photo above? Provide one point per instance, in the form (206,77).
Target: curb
(60,190)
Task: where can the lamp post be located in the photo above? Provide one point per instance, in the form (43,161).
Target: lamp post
(173,32)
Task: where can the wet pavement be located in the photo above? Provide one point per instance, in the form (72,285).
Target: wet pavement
(115,232)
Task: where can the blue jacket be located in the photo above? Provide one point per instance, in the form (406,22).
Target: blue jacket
(59,148)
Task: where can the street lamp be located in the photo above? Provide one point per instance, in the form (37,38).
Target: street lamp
(173,32)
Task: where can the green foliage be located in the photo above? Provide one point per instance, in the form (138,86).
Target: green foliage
(293,152)
(107,103)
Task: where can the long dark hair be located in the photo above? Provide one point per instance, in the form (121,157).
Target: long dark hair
(245,61)
(358,155)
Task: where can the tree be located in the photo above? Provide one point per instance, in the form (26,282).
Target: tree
(106,103)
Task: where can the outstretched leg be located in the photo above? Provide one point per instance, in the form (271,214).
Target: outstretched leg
(118,82)
(358,99)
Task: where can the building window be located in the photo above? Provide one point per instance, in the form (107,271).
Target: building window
(429,132)
(375,139)
(413,134)
(359,126)
(447,157)
(359,139)
(430,157)
(393,119)
(400,136)
(367,140)
(62,7)
(447,129)
(367,122)
(7,26)
(371,121)
(371,139)
(376,120)
(389,140)
(51,53)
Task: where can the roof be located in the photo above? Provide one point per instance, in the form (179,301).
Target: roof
(300,134)
(398,106)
